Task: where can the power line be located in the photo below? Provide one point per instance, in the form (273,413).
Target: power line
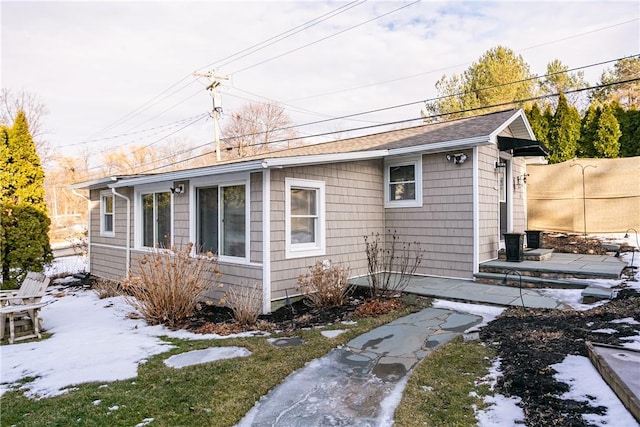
(404,121)
(324,38)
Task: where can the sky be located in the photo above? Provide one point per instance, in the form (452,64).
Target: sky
(85,347)
(119,73)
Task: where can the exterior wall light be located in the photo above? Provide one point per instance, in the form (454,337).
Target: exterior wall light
(456,159)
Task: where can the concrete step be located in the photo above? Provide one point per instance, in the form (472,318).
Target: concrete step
(529,281)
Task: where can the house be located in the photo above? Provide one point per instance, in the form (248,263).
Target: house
(453,186)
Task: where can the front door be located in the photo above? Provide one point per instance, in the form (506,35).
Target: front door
(503,198)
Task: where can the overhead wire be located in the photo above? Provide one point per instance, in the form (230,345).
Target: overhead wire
(405,121)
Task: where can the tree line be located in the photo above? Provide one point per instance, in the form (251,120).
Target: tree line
(571,118)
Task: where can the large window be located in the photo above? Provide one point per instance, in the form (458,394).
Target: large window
(403,183)
(107,214)
(305,227)
(156,220)
(222,220)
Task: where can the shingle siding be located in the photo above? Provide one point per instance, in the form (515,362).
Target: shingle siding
(443,226)
(354,208)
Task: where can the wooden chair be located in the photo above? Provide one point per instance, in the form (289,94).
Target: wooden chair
(23,303)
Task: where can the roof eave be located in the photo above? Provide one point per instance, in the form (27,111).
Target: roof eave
(279,162)
(455,144)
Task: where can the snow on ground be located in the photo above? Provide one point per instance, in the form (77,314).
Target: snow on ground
(85,331)
(487,312)
(586,385)
(206,355)
(502,410)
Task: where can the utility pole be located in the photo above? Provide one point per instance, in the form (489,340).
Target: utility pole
(214,82)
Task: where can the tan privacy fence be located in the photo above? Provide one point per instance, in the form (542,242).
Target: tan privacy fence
(610,202)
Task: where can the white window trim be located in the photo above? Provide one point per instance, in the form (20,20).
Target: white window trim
(227,181)
(149,189)
(103,232)
(305,249)
(416,161)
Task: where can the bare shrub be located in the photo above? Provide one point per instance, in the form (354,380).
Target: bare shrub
(167,284)
(324,285)
(377,307)
(390,269)
(106,288)
(245,303)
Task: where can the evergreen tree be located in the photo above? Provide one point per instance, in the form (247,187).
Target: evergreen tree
(564,132)
(629,121)
(498,77)
(588,128)
(539,123)
(607,135)
(24,242)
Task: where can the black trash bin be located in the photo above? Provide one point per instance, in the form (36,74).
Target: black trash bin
(514,243)
(534,239)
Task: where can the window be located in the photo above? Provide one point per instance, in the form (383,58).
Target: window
(403,183)
(305,227)
(156,220)
(222,220)
(107,214)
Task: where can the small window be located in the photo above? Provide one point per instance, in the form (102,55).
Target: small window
(107,214)
(305,227)
(403,184)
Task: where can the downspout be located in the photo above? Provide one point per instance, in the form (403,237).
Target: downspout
(128,242)
(266,241)
(88,199)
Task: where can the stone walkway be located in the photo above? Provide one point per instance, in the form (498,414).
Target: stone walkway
(361,383)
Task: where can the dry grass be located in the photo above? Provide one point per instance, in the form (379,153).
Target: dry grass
(106,288)
(168,283)
(378,306)
(245,303)
(324,286)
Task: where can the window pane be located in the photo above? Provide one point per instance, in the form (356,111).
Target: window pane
(147,220)
(405,191)
(208,219)
(303,230)
(234,221)
(303,201)
(402,173)
(163,201)
(108,223)
(108,204)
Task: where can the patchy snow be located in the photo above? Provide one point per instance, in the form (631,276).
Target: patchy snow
(608,331)
(206,355)
(67,266)
(333,333)
(501,410)
(586,385)
(571,297)
(81,349)
(627,320)
(487,312)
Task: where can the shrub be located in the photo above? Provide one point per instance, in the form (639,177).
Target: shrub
(324,285)
(245,303)
(106,288)
(391,269)
(168,283)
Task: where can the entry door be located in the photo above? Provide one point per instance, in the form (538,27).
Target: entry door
(504,198)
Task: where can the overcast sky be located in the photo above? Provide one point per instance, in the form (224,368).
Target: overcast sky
(95,63)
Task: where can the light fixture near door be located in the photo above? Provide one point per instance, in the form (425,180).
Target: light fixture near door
(457,158)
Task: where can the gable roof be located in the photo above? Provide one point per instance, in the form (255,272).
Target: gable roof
(432,137)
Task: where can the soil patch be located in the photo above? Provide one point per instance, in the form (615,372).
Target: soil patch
(529,341)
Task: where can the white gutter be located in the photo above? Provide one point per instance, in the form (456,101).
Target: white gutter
(277,162)
(457,144)
(189,174)
(128,243)
(476,211)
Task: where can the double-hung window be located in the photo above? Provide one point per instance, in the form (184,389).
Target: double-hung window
(156,220)
(107,214)
(304,218)
(403,183)
(221,220)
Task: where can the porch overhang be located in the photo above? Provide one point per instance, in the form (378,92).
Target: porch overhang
(522,147)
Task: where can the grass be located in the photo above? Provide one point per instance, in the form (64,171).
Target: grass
(438,392)
(213,394)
